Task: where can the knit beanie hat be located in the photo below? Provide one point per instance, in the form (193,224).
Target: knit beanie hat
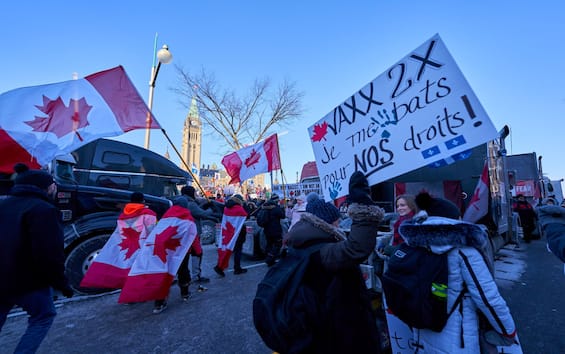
(275,198)
(437,206)
(325,211)
(237,198)
(137,197)
(188,190)
(38,178)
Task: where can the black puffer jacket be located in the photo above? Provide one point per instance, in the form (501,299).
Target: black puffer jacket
(344,322)
(31,243)
(353,250)
(276,214)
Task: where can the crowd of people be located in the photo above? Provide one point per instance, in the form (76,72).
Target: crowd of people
(31,227)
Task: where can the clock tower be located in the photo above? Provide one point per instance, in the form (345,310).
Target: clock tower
(192,139)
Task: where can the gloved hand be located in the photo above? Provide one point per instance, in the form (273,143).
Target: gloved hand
(67,292)
(359,191)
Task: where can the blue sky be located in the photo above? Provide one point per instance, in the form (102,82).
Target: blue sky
(511,53)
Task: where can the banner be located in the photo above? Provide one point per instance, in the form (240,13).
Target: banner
(418,112)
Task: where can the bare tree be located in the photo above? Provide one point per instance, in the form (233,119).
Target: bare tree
(240,120)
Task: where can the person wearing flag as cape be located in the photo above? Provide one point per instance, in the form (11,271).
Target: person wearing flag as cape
(233,236)
(112,265)
(199,214)
(154,269)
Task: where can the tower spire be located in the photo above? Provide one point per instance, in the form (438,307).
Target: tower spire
(192,137)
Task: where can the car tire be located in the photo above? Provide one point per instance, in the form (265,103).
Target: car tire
(79,260)
(208,234)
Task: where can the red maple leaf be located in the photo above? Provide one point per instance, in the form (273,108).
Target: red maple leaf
(130,241)
(320,131)
(61,120)
(227,232)
(164,241)
(253,158)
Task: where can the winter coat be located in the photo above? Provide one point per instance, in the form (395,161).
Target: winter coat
(552,221)
(345,321)
(295,213)
(198,213)
(273,228)
(468,272)
(526,213)
(31,243)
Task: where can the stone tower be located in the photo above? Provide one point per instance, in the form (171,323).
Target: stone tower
(192,138)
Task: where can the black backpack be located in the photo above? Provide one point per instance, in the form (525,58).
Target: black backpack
(263,217)
(282,306)
(415,286)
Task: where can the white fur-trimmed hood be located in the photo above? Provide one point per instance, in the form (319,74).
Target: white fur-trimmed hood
(437,231)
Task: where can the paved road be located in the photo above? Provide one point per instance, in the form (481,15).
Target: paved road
(536,298)
(216,321)
(219,320)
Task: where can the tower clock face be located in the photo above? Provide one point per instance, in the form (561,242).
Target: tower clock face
(193,122)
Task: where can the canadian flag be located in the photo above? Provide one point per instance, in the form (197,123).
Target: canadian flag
(40,122)
(253,160)
(154,269)
(233,221)
(111,267)
(478,205)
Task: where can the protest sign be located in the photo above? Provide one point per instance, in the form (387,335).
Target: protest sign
(421,111)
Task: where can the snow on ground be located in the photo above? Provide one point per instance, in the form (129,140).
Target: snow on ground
(510,264)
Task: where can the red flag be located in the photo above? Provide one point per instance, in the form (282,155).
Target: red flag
(233,221)
(40,122)
(154,269)
(111,267)
(478,205)
(253,160)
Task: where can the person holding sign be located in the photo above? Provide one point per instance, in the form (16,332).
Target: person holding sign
(341,319)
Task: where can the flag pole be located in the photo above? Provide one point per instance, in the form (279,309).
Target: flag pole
(183,162)
(282,175)
(272,185)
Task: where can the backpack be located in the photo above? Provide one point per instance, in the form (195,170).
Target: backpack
(281,305)
(263,217)
(415,286)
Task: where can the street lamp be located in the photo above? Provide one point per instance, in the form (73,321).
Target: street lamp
(163,57)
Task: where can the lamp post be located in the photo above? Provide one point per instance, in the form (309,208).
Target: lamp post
(163,57)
